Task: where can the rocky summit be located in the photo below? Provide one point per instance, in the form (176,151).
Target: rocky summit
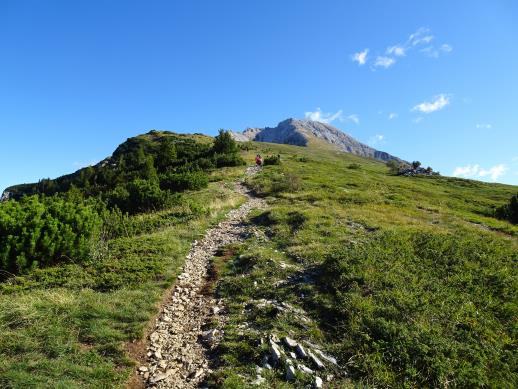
(301,132)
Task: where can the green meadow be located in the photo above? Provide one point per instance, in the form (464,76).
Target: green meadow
(408,281)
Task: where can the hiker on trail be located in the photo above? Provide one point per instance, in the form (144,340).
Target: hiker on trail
(258,160)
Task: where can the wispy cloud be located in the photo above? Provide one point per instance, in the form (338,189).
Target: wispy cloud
(323,117)
(475,171)
(485,126)
(434,52)
(376,140)
(421,36)
(417,120)
(360,57)
(421,40)
(446,48)
(396,50)
(354,118)
(384,62)
(392,115)
(438,103)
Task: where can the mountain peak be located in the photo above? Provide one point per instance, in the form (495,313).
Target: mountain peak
(300,131)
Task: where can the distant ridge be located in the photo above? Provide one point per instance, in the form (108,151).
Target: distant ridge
(300,132)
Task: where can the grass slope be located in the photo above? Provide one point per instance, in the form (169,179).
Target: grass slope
(408,281)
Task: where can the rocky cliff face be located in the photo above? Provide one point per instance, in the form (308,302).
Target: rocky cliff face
(299,132)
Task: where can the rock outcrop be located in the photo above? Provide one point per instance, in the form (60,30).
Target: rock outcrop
(300,132)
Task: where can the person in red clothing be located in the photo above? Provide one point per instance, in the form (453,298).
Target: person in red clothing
(258,160)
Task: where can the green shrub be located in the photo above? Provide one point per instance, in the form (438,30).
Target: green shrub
(178,182)
(509,211)
(140,196)
(224,143)
(119,198)
(222,160)
(393,166)
(36,232)
(146,195)
(354,166)
(272,160)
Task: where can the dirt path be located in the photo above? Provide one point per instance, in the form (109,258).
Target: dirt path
(178,351)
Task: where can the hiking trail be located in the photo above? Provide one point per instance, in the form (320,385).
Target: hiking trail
(179,347)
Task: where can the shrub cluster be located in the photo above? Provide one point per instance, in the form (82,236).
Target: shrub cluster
(63,217)
(272,160)
(509,211)
(41,231)
(189,180)
(145,157)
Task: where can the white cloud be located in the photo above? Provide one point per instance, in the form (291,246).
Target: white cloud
(421,40)
(485,126)
(376,139)
(354,118)
(434,52)
(422,35)
(438,103)
(384,62)
(417,119)
(360,57)
(323,117)
(446,48)
(392,115)
(475,171)
(397,50)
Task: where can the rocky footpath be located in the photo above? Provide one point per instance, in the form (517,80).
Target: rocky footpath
(179,347)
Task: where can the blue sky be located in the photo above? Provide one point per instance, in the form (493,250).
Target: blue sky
(433,81)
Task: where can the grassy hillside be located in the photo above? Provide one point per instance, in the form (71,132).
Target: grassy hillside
(408,281)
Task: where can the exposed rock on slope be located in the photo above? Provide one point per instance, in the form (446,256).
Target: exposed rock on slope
(300,132)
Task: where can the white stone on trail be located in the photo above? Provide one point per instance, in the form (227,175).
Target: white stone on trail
(290,342)
(326,357)
(315,360)
(305,369)
(290,373)
(300,351)
(275,352)
(318,382)
(180,343)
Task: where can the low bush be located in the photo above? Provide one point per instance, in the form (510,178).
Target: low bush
(509,211)
(178,182)
(272,160)
(140,196)
(222,160)
(35,232)
(354,166)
